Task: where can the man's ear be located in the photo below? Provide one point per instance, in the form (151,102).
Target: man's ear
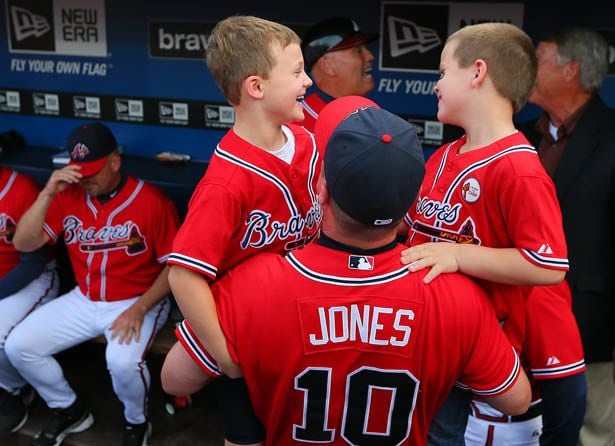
(571,70)
(323,194)
(116,162)
(327,64)
(253,86)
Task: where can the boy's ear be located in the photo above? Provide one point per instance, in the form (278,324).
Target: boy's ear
(480,71)
(253,86)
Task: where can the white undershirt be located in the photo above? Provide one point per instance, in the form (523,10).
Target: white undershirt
(287,151)
(553,131)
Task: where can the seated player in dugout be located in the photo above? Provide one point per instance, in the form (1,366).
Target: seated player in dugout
(118,232)
(338,60)
(348,354)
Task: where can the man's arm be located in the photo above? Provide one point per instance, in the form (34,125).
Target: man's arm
(499,265)
(29,234)
(128,324)
(196,303)
(31,265)
(516,400)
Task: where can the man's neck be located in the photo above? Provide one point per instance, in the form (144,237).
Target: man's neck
(565,106)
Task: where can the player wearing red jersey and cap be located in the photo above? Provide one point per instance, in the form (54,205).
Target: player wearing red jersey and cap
(361,351)
(258,193)
(339,62)
(488,194)
(118,232)
(27,281)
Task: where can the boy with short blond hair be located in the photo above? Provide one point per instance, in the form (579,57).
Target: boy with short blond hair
(258,194)
(489,194)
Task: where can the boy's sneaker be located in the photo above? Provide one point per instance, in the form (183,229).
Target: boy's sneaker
(75,418)
(13,412)
(137,434)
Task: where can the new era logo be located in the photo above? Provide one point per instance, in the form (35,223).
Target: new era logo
(27,24)
(405,36)
(361,262)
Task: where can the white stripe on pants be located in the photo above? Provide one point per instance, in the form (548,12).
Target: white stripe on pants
(70,320)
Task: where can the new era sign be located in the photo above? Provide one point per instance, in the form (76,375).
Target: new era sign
(73,27)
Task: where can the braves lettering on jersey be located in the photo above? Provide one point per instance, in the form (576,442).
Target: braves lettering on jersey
(17,193)
(118,248)
(497,196)
(312,106)
(356,356)
(249,201)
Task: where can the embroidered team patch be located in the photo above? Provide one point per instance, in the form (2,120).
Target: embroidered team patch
(361,262)
(470,190)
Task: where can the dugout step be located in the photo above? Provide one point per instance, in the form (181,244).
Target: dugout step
(85,369)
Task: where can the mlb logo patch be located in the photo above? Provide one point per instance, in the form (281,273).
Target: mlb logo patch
(361,262)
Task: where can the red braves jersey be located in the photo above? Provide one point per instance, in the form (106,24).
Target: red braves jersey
(249,201)
(354,348)
(117,249)
(17,193)
(497,196)
(312,106)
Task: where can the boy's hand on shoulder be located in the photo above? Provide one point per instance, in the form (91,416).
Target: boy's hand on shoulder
(441,257)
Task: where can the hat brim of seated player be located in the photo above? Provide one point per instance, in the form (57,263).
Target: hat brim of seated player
(90,168)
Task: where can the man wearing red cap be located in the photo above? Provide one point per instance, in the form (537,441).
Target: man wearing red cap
(339,62)
(351,347)
(118,232)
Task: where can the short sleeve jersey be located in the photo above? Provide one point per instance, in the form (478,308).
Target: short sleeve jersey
(497,196)
(352,348)
(116,249)
(249,201)
(17,193)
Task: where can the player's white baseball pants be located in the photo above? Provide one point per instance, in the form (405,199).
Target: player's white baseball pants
(489,427)
(13,309)
(70,320)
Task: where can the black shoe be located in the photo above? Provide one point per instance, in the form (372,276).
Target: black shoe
(75,418)
(13,412)
(137,434)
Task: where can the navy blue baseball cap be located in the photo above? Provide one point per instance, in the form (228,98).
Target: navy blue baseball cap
(89,145)
(333,34)
(373,162)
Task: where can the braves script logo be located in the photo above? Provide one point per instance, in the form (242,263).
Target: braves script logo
(125,236)
(261,230)
(79,151)
(443,212)
(7,228)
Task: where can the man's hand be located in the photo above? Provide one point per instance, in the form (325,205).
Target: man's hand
(128,324)
(60,179)
(441,257)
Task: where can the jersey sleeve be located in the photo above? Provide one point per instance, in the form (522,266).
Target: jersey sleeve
(214,214)
(493,365)
(53,226)
(535,222)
